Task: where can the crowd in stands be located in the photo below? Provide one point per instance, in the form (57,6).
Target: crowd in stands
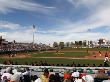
(14,48)
(45,63)
(26,74)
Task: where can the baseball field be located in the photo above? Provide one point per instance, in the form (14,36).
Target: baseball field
(64,56)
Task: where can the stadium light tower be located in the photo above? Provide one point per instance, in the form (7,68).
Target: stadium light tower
(33,34)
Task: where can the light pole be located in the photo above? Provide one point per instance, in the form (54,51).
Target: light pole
(33,34)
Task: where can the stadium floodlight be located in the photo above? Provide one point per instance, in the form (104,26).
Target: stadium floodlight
(34,30)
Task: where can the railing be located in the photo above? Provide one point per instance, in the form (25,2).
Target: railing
(53,67)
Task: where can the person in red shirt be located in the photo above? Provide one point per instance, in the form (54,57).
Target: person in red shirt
(106,57)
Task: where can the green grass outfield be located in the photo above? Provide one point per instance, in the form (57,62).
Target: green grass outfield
(85,49)
(53,61)
(61,54)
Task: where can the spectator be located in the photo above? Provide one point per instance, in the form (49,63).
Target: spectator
(94,65)
(67,77)
(45,77)
(26,75)
(75,74)
(101,74)
(57,77)
(6,76)
(37,79)
(16,76)
(52,78)
(87,78)
(108,72)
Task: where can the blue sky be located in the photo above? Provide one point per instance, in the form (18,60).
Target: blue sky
(55,20)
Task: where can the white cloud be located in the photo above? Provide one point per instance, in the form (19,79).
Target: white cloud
(3,34)
(98,19)
(86,3)
(69,31)
(102,16)
(8,6)
(8,25)
(45,38)
(79,30)
(27,35)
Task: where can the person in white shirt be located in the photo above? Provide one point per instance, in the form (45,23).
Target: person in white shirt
(75,74)
(27,72)
(87,78)
(6,74)
(27,75)
(16,76)
(38,80)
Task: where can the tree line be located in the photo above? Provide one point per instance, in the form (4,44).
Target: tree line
(62,45)
(78,44)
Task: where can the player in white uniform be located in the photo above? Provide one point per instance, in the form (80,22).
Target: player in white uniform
(106,57)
